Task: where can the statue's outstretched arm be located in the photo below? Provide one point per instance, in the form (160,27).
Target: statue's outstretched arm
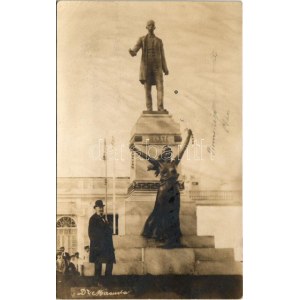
(136,48)
(183,147)
(143,155)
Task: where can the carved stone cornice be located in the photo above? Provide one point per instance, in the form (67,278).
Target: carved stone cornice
(148,186)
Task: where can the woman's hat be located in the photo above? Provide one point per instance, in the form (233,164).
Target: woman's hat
(99,203)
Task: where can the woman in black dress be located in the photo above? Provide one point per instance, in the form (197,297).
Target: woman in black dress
(163,224)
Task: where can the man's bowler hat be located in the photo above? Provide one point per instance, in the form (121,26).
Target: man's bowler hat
(99,203)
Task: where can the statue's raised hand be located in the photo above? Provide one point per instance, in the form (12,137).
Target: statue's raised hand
(131,52)
(189,131)
(131,145)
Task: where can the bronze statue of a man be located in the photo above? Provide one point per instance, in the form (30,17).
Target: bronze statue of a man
(153,64)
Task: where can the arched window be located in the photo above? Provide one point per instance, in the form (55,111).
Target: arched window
(67,234)
(65,222)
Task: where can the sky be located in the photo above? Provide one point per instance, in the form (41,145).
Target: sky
(99,95)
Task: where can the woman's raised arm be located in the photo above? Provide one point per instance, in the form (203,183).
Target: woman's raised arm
(153,161)
(183,147)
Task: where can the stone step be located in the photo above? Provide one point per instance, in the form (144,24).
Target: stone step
(218,268)
(178,267)
(137,241)
(129,254)
(214,254)
(187,241)
(129,268)
(201,254)
(195,241)
(169,261)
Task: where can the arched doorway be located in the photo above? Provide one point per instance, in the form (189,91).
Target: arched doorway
(66,235)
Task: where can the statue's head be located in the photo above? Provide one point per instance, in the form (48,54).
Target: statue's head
(166,154)
(150,26)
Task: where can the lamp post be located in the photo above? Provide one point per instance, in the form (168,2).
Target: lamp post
(114,185)
(105,180)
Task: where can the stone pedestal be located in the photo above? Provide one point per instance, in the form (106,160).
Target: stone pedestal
(140,204)
(138,256)
(150,133)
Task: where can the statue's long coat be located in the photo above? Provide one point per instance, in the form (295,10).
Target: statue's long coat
(159,56)
(101,243)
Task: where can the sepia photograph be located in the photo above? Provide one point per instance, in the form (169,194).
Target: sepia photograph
(149,150)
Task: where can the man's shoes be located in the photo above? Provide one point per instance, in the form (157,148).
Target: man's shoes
(148,111)
(162,111)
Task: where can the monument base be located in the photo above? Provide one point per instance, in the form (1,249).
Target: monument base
(136,255)
(155,112)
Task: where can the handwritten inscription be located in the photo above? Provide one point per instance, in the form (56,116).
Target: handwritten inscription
(225,125)
(225,122)
(212,148)
(80,292)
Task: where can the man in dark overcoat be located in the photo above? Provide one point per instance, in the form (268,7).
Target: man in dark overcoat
(153,64)
(101,242)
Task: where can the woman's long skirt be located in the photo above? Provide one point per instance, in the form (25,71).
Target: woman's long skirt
(163,224)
